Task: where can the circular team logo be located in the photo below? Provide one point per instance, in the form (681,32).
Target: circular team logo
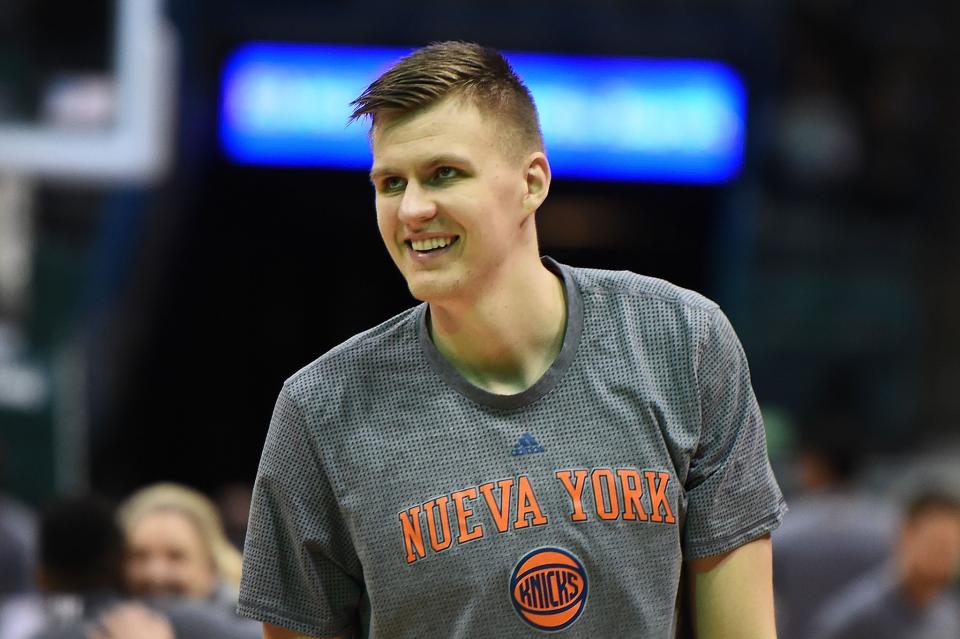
(549,588)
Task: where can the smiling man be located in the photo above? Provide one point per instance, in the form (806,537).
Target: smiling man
(535,447)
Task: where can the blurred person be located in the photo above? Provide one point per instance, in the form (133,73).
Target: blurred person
(21,612)
(80,576)
(18,533)
(18,550)
(533,432)
(834,532)
(16,558)
(233,502)
(911,598)
(176,546)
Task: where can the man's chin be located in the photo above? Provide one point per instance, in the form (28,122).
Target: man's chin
(429,289)
(421,293)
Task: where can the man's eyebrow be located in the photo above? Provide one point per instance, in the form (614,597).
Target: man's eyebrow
(436,160)
(447,158)
(380,171)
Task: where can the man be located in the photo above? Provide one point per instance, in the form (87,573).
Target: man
(835,533)
(910,598)
(534,448)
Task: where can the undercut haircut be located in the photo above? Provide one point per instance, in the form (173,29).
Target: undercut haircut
(462,69)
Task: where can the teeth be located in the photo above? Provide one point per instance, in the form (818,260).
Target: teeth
(432,243)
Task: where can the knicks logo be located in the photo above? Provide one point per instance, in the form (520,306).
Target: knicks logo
(549,588)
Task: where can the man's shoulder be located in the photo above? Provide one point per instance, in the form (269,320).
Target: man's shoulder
(383,343)
(641,288)
(866,603)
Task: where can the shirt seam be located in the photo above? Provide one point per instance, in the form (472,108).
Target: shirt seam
(760,526)
(605,289)
(358,341)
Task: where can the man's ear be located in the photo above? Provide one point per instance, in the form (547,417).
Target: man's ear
(536,181)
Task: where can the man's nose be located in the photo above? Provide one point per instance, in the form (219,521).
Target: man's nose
(416,205)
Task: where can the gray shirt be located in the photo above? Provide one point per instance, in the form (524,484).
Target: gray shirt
(394,495)
(874,608)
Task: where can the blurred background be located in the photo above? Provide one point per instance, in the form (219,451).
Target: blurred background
(156,289)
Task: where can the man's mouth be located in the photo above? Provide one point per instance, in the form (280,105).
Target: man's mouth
(433,244)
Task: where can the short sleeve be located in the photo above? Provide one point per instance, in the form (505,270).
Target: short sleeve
(300,570)
(732,495)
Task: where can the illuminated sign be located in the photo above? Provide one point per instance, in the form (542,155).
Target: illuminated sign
(605,118)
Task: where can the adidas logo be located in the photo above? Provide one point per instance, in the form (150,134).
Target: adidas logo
(527,445)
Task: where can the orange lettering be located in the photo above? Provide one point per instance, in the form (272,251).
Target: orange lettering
(501,514)
(575,490)
(435,542)
(631,485)
(412,534)
(527,505)
(463,513)
(658,496)
(603,477)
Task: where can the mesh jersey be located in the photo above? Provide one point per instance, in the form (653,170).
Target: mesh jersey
(394,495)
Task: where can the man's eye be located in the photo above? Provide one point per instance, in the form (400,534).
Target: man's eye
(392,184)
(446,172)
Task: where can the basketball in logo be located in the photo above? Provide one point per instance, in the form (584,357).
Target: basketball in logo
(549,588)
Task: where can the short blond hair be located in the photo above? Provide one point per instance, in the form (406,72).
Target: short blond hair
(476,73)
(199,510)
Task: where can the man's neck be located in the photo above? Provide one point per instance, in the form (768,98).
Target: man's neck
(506,339)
